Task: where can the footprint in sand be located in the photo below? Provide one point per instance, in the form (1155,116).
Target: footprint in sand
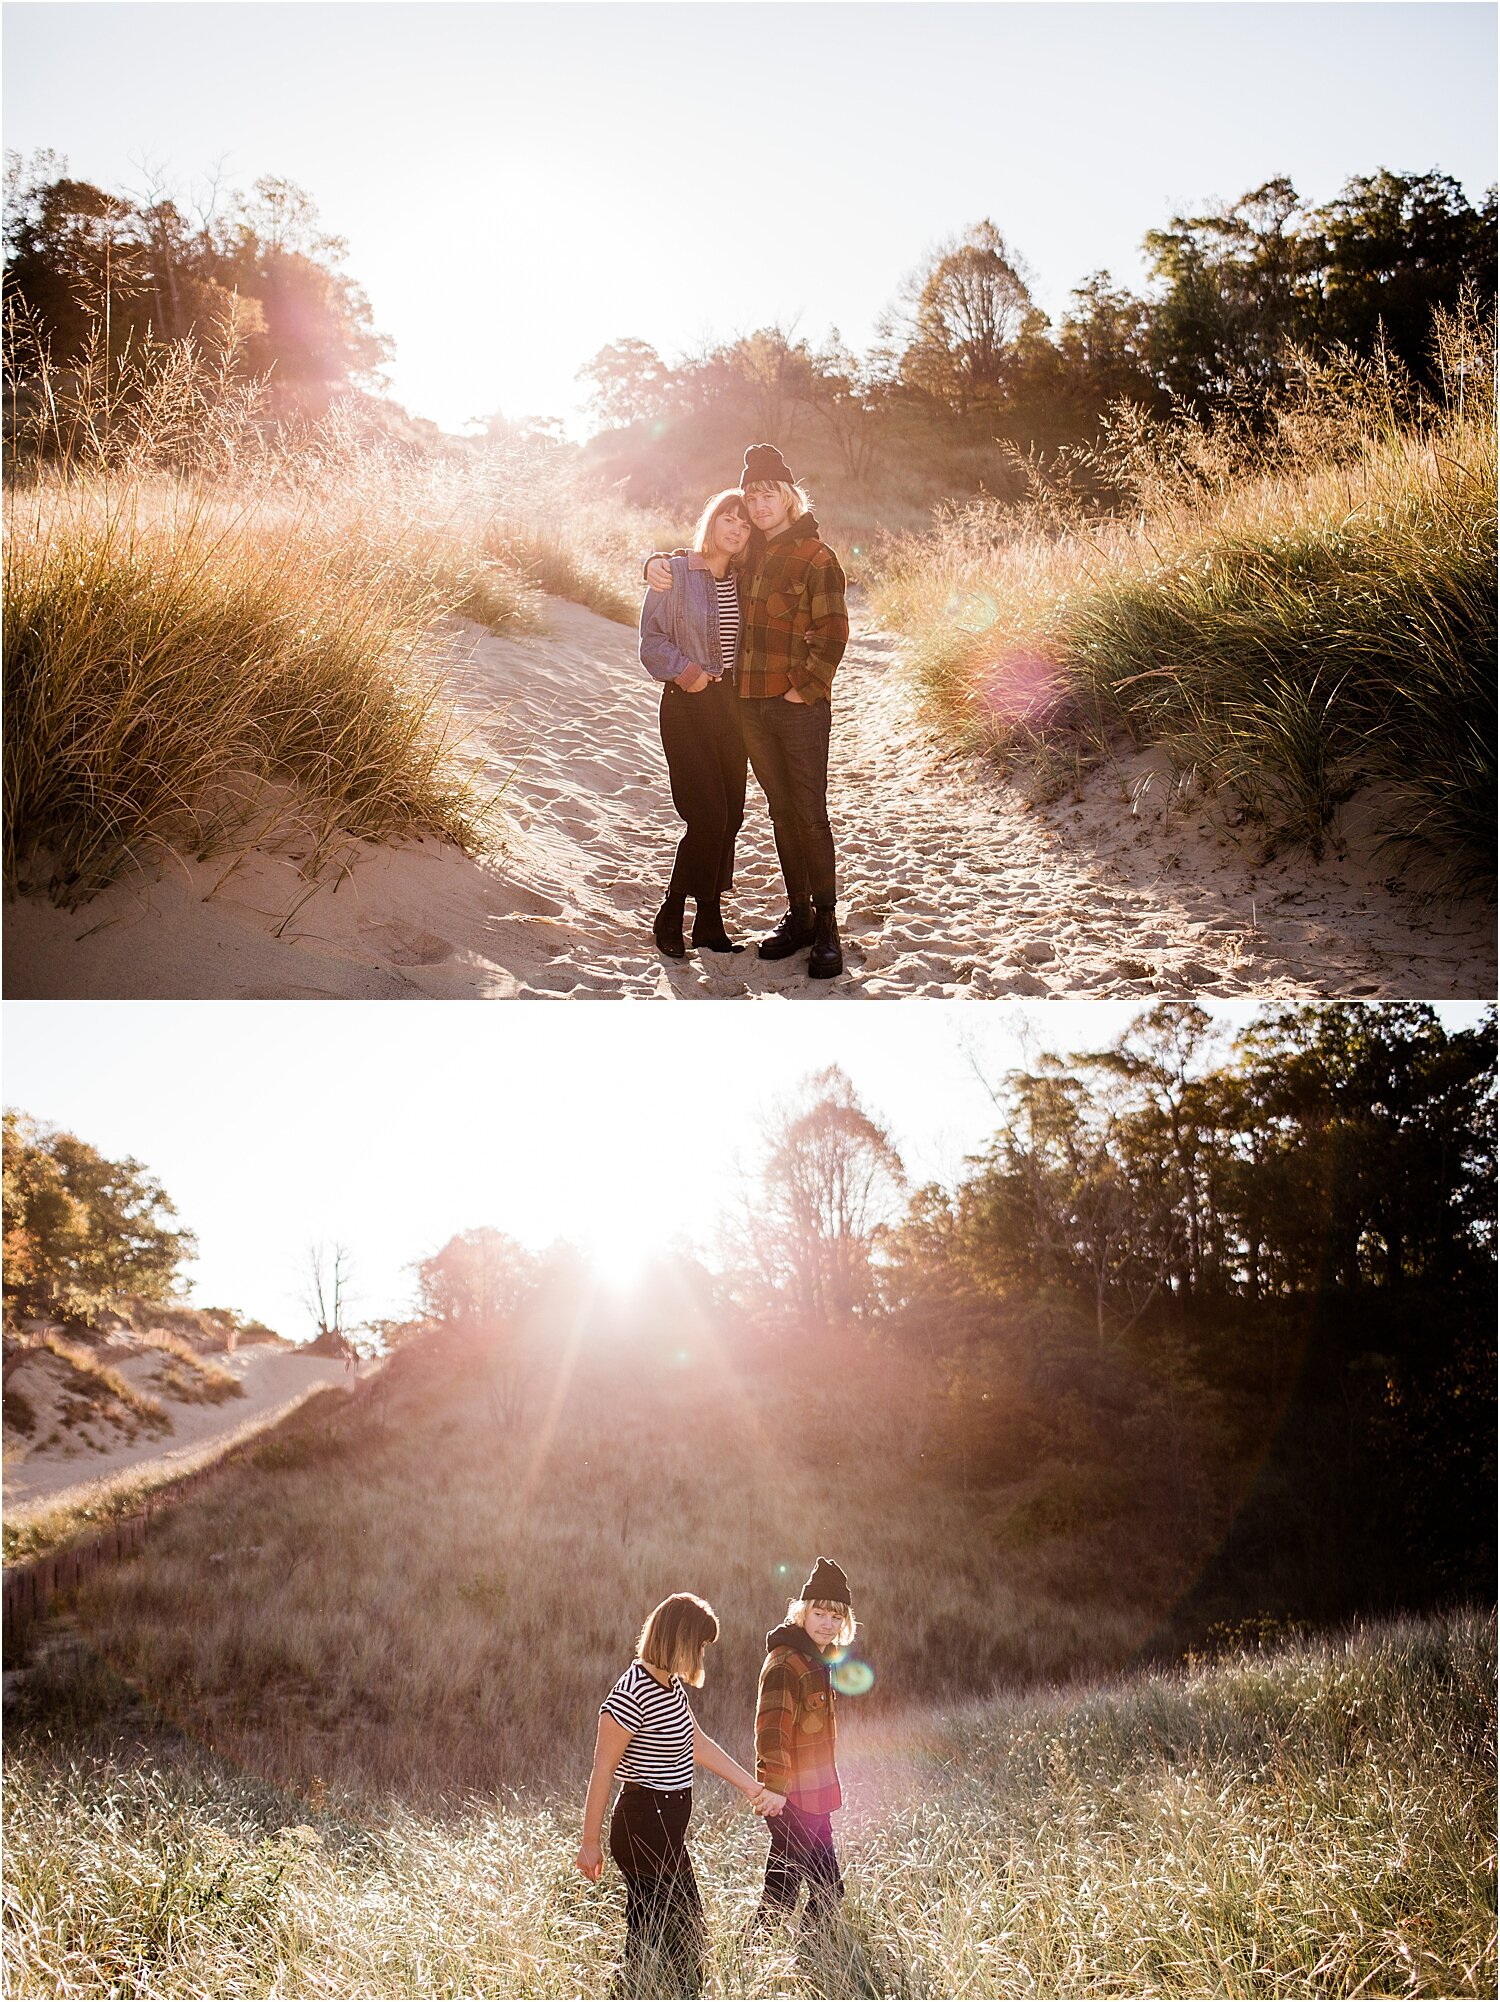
(521,902)
(406,945)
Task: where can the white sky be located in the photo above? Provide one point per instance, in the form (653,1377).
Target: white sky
(521,184)
(393,1125)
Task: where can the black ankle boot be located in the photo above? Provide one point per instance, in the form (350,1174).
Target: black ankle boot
(795,931)
(708,929)
(826,960)
(666,927)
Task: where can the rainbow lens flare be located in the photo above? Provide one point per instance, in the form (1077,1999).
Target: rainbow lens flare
(853,1677)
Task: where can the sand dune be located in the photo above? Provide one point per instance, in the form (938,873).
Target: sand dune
(950,885)
(275,1380)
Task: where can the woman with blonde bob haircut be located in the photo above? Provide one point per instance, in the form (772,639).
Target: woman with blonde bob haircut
(649,1739)
(690,642)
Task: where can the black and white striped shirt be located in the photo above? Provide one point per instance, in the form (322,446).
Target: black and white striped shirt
(727,590)
(660,1752)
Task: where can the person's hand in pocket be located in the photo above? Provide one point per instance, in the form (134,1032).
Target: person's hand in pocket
(692,680)
(792,696)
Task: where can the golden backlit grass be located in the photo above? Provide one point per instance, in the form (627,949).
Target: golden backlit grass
(95,1381)
(1317,1820)
(1295,615)
(211,636)
(187,1374)
(389,1578)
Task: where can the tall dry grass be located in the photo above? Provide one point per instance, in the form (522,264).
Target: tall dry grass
(1296,613)
(1315,1820)
(405,1595)
(214,634)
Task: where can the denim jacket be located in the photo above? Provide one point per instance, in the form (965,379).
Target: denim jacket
(680,627)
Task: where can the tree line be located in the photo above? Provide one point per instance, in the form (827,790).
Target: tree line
(250,274)
(1237,1293)
(963,354)
(1226,1295)
(1238,297)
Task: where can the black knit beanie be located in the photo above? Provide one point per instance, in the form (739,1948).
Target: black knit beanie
(764,462)
(827,1582)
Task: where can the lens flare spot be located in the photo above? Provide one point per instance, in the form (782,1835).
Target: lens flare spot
(1021,687)
(973,611)
(853,1678)
(782,1573)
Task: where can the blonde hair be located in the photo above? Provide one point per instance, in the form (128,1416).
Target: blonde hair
(676,1633)
(720,504)
(796,498)
(798,1610)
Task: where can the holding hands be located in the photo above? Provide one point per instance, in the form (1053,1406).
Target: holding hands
(767,1804)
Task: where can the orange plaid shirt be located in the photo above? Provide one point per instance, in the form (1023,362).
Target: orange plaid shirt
(795,1732)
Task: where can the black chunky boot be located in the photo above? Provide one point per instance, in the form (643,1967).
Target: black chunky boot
(795,931)
(826,960)
(666,927)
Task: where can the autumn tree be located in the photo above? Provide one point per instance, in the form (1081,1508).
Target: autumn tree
(86,265)
(326,1297)
(829,1177)
(80,1227)
(962,314)
(630,382)
(473,1294)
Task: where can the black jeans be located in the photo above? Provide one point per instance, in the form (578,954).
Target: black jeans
(663,1911)
(706,763)
(788,746)
(801,1852)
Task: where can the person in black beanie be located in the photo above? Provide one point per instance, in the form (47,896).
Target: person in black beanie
(796,627)
(795,1735)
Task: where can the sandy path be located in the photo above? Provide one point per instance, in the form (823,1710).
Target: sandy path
(276,1381)
(950,885)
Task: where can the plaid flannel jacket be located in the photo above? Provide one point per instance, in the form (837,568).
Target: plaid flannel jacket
(796,617)
(795,1732)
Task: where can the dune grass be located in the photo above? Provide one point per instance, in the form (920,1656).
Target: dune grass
(188,1375)
(98,1383)
(1296,615)
(213,636)
(1314,1820)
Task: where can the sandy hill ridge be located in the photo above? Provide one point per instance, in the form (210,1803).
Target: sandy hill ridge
(143,1388)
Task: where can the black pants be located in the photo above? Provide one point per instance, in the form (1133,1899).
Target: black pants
(663,1911)
(801,1852)
(706,764)
(788,746)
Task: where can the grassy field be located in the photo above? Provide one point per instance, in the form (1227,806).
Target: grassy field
(328,1733)
(370,1597)
(1295,614)
(1316,1820)
(211,638)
